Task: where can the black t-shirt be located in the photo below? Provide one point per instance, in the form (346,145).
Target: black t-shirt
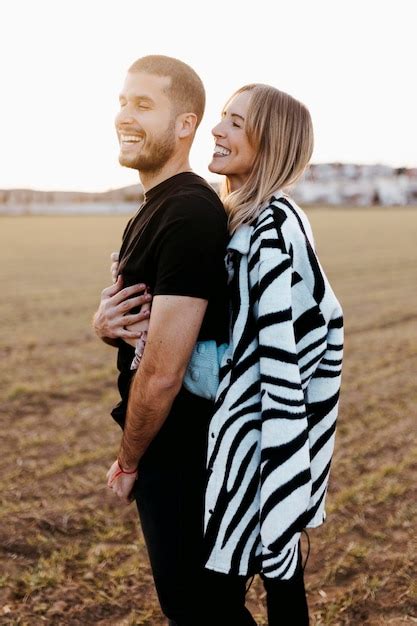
(176,245)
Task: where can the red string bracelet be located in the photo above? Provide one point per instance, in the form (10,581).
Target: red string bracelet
(122,471)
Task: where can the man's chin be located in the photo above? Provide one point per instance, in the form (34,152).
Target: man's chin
(125,161)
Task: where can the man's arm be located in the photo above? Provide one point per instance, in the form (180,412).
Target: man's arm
(173,331)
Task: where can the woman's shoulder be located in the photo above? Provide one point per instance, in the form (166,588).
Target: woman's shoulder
(284,215)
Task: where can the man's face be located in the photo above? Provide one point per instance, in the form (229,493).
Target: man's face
(145,124)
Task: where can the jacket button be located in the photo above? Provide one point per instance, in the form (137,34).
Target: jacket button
(229,361)
(210,511)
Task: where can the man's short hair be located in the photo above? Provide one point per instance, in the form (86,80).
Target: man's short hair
(186,90)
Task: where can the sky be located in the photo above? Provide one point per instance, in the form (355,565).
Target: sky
(63,63)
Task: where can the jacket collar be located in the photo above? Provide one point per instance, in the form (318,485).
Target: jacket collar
(240,240)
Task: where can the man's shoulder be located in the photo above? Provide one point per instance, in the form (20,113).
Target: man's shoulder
(194,203)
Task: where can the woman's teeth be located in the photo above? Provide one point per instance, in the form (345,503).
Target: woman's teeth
(220,151)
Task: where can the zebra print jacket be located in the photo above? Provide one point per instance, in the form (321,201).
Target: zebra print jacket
(271,437)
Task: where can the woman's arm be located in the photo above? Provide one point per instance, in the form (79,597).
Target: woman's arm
(113,319)
(139,328)
(202,375)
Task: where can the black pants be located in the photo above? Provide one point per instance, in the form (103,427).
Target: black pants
(170,500)
(286,600)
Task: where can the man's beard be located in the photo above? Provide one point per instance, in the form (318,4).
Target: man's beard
(158,152)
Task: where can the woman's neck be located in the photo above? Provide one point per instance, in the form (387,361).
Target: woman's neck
(236,182)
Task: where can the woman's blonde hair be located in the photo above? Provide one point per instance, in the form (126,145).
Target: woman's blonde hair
(280,130)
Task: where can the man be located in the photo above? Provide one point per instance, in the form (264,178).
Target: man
(175,244)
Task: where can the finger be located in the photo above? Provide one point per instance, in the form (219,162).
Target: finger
(129,335)
(127,292)
(114,257)
(128,320)
(110,478)
(131,303)
(131,496)
(122,496)
(111,291)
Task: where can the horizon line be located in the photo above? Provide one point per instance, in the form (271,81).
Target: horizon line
(212,181)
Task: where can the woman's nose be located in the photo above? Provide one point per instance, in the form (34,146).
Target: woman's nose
(218,130)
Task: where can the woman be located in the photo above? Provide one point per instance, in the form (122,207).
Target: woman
(271,437)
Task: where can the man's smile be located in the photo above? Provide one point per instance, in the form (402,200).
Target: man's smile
(130,140)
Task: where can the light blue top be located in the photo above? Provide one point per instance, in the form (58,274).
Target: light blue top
(202,375)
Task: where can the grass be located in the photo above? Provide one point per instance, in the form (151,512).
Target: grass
(70,556)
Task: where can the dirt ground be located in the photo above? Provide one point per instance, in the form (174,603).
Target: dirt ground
(69,556)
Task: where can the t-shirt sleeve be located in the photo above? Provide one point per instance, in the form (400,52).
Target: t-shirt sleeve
(190,249)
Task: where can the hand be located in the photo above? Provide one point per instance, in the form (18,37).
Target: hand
(112,318)
(122,484)
(141,328)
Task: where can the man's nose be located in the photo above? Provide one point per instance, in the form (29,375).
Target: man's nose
(124,116)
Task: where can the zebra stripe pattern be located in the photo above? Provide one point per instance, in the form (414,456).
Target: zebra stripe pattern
(271,438)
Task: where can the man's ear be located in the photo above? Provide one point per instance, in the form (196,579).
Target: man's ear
(186,124)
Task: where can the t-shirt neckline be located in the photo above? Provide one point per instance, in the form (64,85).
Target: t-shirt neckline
(153,191)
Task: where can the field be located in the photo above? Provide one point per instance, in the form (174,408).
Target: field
(69,555)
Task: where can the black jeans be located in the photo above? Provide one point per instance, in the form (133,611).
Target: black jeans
(286,600)
(170,499)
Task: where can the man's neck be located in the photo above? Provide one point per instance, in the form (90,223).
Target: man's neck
(152,179)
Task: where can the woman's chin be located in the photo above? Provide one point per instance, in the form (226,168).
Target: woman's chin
(214,167)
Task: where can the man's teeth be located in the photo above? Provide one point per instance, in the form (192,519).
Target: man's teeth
(130,138)
(222,151)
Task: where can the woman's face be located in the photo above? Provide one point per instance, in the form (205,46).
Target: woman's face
(233,155)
